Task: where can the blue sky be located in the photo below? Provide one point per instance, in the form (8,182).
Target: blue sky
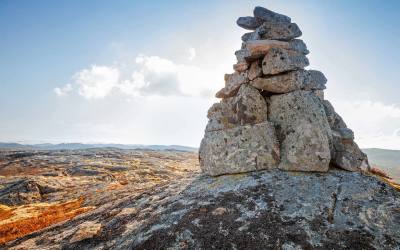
(60,61)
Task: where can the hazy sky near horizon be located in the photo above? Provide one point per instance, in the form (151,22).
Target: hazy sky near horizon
(145,71)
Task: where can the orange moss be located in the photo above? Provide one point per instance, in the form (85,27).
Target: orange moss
(114,186)
(29,218)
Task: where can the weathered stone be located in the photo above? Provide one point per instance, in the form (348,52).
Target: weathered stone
(247,107)
(335,121)
(279,31)
(258,48)
(249,22)
(293,80)
(278,60)
(255,49)
(241,149)
(303,131)
(299,46)
(345,134)
(250,36)
(240,66)
(319,93)
(270,16)
(232,84)
(85,231)
(346,153)
(255,70)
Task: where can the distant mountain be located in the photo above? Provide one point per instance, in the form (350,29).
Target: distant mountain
(388,160)
(75,146)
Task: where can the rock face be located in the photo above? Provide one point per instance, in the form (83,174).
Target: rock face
(247,107)
(303,131)
(241,149)
(260,210)
(272,107)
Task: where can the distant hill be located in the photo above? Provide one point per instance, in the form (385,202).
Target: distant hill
(75,146)
(388,160)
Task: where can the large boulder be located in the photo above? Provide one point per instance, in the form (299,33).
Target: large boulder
(247,107)
(293,80)
(303,131)
(278,60)
(240,149)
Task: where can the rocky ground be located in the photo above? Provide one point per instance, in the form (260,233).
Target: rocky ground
(39,188)
(126,199)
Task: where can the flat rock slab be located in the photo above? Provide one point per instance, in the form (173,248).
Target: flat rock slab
(240,149)
(279,31)
(261,210)
(232,84)
(303,131)
(256,49)
(279,60)
(291,81)
(249,22)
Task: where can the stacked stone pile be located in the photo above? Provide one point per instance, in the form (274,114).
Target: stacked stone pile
(272,112)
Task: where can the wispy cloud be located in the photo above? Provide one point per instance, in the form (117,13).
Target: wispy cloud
(192,54)
(63,91)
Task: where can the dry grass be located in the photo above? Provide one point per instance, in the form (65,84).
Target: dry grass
(19,221)
(385,177)
(379,172)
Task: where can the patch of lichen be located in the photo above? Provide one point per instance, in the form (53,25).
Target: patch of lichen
(18,221)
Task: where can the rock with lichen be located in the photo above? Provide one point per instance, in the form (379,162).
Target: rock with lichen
(310,135)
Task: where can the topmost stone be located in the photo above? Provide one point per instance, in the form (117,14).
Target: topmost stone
(270,16)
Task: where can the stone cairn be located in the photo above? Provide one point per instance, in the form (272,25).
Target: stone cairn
(272,112)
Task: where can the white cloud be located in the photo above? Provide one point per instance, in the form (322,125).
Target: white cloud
(63,91)
(149,76)
(192,54)
(375,124)
(96,82)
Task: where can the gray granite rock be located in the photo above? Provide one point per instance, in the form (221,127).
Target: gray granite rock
(255,49)
(241,66)
(259,210)
(247,107)
(279,31)
(335,121)
(250,36)
(303,131)
(249,22)
(240,149)
(255,70)
(299,46)
(269,16)
(232,84)
(345,153)
(279,60)
(293,80)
